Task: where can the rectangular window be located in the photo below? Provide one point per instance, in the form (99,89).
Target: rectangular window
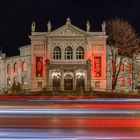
(97,84)
(97,66)
(39,84)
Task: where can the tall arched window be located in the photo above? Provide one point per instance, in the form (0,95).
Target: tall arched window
(122,66)
(68,53)
(8,69)
(24,66)
(57,53)
(15,68)
(80,53)
(129,68)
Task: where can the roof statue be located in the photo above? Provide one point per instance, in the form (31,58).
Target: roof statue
(103,26)
(33,26)
(68,21)
(49,26)
(88,26)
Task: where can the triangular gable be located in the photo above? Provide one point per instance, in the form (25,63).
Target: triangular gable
(66,30)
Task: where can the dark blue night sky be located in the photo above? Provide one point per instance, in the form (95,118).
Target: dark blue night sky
(16,17)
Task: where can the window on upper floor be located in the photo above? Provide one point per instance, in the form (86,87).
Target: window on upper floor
(122,66)
(15,67)
(68,53)
(80,53)
(129,68)
(8,69)
(24,66)
(57,53)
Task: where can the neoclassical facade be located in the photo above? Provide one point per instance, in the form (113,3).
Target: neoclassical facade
(67,58)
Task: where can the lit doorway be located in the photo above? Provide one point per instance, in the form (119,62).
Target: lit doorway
(68,82)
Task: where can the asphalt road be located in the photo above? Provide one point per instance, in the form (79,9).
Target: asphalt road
(80,119)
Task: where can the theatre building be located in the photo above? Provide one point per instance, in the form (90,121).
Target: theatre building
(67,58)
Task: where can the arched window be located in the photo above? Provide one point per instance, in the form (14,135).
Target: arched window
(8,69)
(122,66)
(68,53)
(79,53)
(57,53)
(24,66)
(129,68)
(15,68)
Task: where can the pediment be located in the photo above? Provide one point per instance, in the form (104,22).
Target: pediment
(67,31)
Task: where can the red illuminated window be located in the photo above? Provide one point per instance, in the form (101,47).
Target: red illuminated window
(15,68)
(24,67)
(122,66)
(122,81)
(129,81)
(129,68)
(8,69)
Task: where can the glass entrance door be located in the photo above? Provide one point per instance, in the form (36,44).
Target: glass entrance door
(80,83)
(56,83)
(68,82)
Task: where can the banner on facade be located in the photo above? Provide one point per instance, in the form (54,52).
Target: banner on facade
(39,66)
(97,66)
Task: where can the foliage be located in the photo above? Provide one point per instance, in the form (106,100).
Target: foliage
(122,42)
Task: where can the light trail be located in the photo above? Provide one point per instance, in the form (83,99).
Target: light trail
(90,100)
(72,111)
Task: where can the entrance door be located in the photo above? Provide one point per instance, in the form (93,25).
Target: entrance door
(56,83)
(68,82)
(80,83)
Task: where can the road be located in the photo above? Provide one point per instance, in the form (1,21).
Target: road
(78,119)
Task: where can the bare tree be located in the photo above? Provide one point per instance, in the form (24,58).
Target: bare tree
(122,42)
